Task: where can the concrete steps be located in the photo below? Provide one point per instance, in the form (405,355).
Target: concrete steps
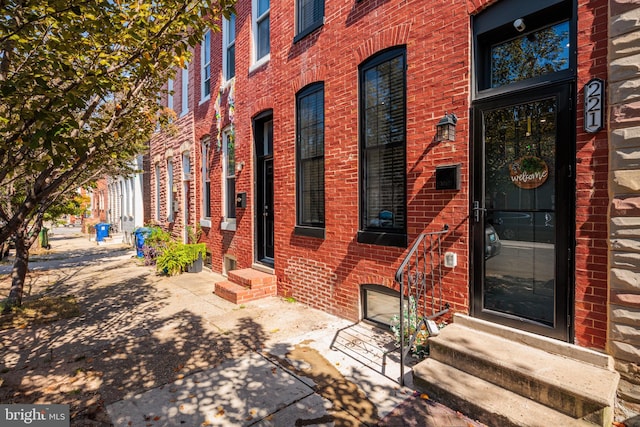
(246,285)
(506,377)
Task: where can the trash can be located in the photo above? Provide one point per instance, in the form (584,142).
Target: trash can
(43,237)
(102,231)
(141,235)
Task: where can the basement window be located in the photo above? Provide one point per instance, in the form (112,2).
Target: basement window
(379,304)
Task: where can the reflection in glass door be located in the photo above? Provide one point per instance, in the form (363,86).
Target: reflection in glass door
(520,239)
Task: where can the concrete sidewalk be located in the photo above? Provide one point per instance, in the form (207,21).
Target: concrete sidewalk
(166,351)
(333,373)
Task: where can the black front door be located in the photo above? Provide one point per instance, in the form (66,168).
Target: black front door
(522,210)
(263,126)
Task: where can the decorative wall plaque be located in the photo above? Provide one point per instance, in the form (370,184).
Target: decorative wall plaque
(529,172)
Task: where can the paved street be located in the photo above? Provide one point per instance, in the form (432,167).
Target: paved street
(151,350)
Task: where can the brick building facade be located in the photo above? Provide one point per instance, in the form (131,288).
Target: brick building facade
(313,154)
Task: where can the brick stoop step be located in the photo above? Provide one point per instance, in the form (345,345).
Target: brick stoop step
(246,285)
(506,377)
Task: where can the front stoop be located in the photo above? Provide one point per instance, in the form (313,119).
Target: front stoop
(506,377)
(246,285)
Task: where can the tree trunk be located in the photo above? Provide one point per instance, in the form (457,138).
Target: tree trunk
(20,266)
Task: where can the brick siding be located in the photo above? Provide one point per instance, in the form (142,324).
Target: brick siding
(327,273)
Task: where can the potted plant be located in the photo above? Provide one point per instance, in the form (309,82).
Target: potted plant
(196,253)
(173,259)
(412,326)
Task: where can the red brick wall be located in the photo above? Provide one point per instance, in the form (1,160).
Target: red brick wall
(327,273)
(172,143)
(592,165)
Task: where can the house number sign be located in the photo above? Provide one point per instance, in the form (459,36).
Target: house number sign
(593,105)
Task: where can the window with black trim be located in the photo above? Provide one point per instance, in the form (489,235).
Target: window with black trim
(523,44)
(382,149)
(309,17)
(310,160)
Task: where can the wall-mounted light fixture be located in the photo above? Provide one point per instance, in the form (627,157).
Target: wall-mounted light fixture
(239,166)
(446,128)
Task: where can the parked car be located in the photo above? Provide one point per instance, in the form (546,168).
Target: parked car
(525,226)
(492,244)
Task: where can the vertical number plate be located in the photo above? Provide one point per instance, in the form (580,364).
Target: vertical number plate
(593,105)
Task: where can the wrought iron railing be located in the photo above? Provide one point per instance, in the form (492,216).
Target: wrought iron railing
(420,279)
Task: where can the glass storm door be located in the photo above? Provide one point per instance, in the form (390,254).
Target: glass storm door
(264,191)
(522,210)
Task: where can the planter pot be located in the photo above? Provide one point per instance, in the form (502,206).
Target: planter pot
(196,266)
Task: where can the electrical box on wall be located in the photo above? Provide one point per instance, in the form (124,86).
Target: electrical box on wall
(241,200)
(448,177)
(450,259)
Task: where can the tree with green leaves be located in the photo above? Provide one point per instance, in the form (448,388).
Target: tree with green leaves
(79,85)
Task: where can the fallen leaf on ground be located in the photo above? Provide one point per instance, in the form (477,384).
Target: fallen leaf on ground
(424,396)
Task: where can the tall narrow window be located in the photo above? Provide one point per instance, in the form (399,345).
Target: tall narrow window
(184,90)
(170,190)
(158,191)
(206,183)
(229,180)
(310,158)
(229,47)
(261,30)
(205,61)
(186,179)
(170,94)
(382,149)
(309,17)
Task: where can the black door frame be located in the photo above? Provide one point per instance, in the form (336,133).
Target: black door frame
(264,191)
(565,209)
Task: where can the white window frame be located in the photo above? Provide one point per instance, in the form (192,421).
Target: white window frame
(170,183)
(205,62)
(186,182)
(226,45)
(254,25)
(170,94)
(184,90)
(158,191)
(228,224)
(205,221)
(186,166)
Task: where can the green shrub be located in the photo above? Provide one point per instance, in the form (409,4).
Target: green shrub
(173,259)
(177,256)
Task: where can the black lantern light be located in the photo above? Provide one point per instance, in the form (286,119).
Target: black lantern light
(447,128)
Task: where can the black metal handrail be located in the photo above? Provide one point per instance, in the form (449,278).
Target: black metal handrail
(419,274)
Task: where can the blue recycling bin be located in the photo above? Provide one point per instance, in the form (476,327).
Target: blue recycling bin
(102,231)
(141,235)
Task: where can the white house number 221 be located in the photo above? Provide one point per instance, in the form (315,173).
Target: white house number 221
(593,105)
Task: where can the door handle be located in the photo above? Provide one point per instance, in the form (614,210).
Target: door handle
(265,212)
(478,211)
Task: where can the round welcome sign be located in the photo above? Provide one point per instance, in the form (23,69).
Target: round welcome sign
(529,172)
